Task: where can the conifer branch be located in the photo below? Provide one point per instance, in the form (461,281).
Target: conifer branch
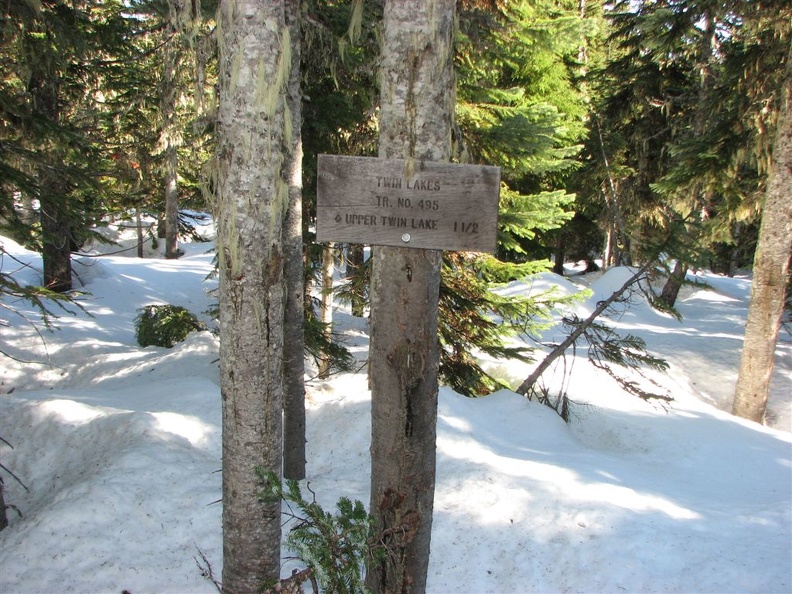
(559,350)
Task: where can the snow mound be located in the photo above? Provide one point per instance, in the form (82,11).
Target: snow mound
(132,477)
(536,284)
(120,447)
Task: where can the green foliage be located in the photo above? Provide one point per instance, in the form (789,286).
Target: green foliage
(54,58)
(334,546)
(518,107)
(339,84)
(685,107)
(80,119)
(474,319)
(39,297)
(164,325)
(521,218)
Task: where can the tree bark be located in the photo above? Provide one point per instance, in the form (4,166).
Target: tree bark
(141,238)
(56,235)
(170,141)
(251,198)
(417,89)
(294,319)
(770,274)
(675,280)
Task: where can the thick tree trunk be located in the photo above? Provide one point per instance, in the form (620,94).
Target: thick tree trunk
(417,103)
(770,275)
(294,319)
(251,198)
(171,157)
(56,235)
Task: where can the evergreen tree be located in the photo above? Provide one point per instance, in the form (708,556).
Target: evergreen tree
(158,118)
(53,53)
(82,132)
(771,271)
(681,112)
(517,107)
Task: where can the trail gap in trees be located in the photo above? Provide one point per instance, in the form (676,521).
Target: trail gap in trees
(407,203)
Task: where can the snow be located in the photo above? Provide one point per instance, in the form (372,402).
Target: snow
(119,447)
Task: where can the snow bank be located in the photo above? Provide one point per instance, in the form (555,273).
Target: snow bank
(120,448)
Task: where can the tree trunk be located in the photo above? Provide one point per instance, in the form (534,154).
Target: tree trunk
(294,318)
(698,196)
(55,233)
(770,274)
(674,283)
(326,304)
(171,157)
(417,110)
(251,198)
(607,254)
(618,241)
(141,238)
(559,253)
(56,236)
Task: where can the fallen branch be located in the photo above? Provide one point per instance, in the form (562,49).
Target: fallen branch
(559,350)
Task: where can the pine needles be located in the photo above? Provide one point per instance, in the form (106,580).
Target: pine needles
(333,546)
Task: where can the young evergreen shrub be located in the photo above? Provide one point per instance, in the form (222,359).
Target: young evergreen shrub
(164,325)
(333,546)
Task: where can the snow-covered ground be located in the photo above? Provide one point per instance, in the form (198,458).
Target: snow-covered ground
(119,447)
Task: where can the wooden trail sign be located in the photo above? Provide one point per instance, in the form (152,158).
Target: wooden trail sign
(400,203)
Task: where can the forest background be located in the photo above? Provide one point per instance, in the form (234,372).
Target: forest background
(627,133)
(624,130)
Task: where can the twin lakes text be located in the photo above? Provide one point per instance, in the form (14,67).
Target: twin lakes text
(420,203)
